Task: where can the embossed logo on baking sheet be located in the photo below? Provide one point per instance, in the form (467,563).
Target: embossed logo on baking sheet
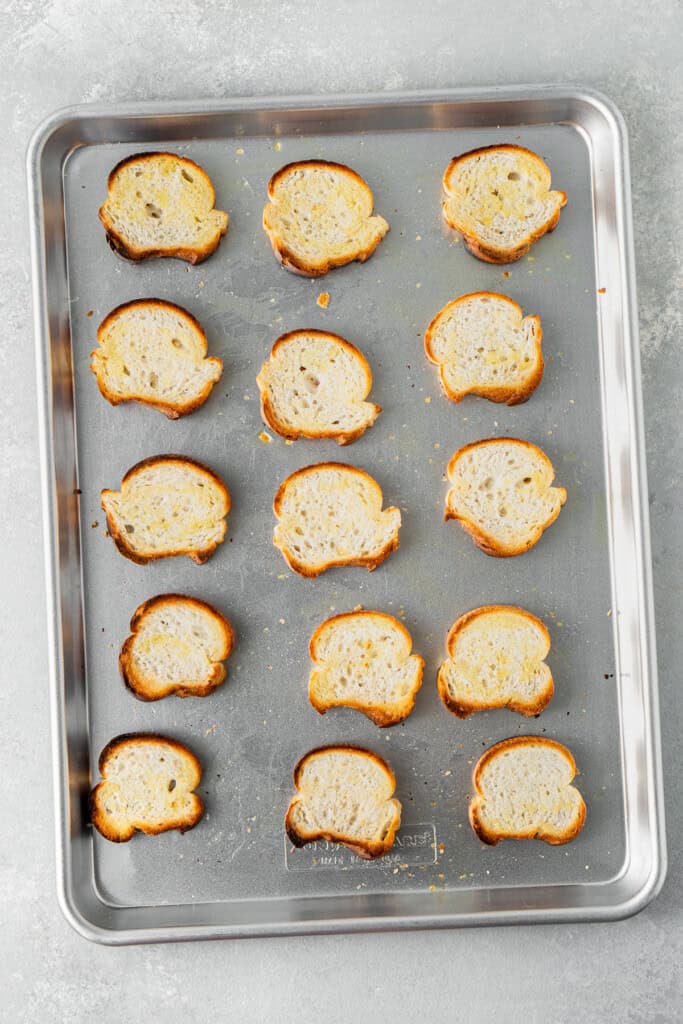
(414,845)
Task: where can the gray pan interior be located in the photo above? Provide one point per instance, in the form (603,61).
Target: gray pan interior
(587,578)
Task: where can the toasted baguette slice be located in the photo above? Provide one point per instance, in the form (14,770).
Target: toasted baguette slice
(168,505)
(314,386)
(344,795)
(499,198)
(482,346)
(148,783)
(177,645)
(496,661)
(523,792)
(320,217)
(502,494)
(160,204)
(330,515)
(154,352)
(363,661)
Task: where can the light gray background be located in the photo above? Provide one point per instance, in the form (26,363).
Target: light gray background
(57,52)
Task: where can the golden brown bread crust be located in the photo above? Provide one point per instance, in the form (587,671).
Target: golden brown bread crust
(270,417)
(284,255)
(493,838)
(380,716)
(487,543)
(118,245)
(137,685)
(362,563)
(463,709)
(510,394)
(366,850)
(199,557)
(98,816)
(370,562)
(478,248)
(173,410)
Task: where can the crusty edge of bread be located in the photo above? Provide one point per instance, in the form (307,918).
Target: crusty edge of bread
(198,556)
(492,838)
(367,850)
(478,248)
(463,709)
(489,545)
(510,394)
(288,259)
(383,715)
(98,818)
(371,562)
(189,254)
(137,686)
(342,437)
(173,410)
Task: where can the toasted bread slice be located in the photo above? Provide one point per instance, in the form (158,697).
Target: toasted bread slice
(154,352)
(320,217)
(496,661)
(344,795)
(161,204)
(314,386)
(363,661)
(177,645)
(502,494)
(331,514)
(168,505)
(148,783)
(499,198)
(482,346)
(523,791)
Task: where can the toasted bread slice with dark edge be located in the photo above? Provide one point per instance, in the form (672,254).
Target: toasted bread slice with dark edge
(177,646)
(344,795)
(501,494)
(496,660)
(330,515)
(523,791)
(161,204)
(154,352)
(320,217)
(363,661)
(314,386)
(148,784)
(483,346)
(499,199)
(168,505)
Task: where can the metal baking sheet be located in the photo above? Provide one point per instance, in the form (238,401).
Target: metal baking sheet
(588,578)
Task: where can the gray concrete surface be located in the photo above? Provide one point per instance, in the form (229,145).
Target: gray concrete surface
(57,52)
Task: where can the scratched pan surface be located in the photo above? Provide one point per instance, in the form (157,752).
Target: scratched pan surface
(588,578)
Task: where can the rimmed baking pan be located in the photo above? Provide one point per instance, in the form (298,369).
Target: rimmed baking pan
(588,578)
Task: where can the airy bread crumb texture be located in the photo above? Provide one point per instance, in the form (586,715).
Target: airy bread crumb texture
(147,786)
(502,495)
(160,204)
(314,385)
(154,352)
(524,792)
(168,505)
(483,346)
(499,198)
(320,217)
(331,514)
(344,795)
(363,661)
(496,661)
(177,646)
